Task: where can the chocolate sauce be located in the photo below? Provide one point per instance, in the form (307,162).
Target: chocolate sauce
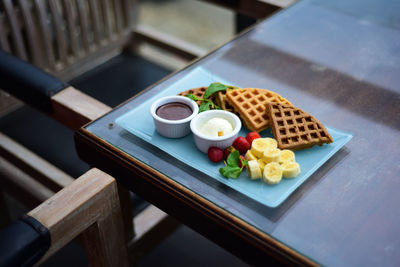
(174,111)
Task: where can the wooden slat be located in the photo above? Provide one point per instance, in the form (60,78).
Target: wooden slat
(96,22)
(16,34)
(106,10)
(71,18)
(58,26)
(31,33)
(84,25)
(74,108)
(29,191)
(130,9)
(4,45)
(118,16)
(46,34)
(35,166)
(92,199)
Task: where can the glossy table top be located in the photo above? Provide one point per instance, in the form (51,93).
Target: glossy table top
(339,61)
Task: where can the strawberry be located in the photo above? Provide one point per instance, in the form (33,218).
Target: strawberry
(251,136)
(215,154)
(228,151)
(241,144)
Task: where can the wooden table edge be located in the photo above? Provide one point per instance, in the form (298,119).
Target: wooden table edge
(217,214)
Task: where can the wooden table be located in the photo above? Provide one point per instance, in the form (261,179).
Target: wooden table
(340,61)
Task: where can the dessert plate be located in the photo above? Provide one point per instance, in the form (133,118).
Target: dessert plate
(185,150)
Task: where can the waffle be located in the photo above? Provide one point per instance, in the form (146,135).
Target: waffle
(294,128)
(223,102)
(198,92)
(250,103)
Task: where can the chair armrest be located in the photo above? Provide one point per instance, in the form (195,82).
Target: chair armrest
(88,206)
(27,82)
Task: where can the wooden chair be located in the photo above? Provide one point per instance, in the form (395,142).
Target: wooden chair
(73,108)
(88,208)
(66,38)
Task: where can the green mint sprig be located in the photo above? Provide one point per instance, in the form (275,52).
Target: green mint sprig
(232,169)
(214,88)
(206,103)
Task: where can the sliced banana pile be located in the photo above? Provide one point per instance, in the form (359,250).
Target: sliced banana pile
(267,161)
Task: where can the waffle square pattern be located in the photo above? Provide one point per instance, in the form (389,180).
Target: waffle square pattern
(296,129)
(250,103)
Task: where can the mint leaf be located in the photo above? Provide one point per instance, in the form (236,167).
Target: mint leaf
(230,171)
(205,105)
(213,88)
(193,97)
(233,158)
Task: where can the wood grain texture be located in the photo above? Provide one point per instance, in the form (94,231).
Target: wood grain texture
(83,18)
(92,200)
(31,33)
(4,44)
(74,108)
(72,28)
(45,36)
(14,26)
(60,42)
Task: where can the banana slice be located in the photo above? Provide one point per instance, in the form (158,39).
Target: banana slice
(261,163)
(253,169)
(260,144)
(250,156)
(271,155)
(290,169)
(286,155)
(272,173)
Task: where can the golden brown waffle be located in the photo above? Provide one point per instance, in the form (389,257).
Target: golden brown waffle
(223,102)
(294,128)
(198,92)
(250,103)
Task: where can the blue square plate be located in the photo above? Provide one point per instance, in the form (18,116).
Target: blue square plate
(185,150)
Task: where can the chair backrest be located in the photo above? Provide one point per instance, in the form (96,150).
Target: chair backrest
(66,37)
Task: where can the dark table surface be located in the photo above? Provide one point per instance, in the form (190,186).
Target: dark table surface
(338,60)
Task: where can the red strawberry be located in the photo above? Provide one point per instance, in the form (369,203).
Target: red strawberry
(242,160)
(251,136)
(228,151)
(241,144)
(215,154)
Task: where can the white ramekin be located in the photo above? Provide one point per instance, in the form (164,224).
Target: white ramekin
(173,128)
(204,142)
